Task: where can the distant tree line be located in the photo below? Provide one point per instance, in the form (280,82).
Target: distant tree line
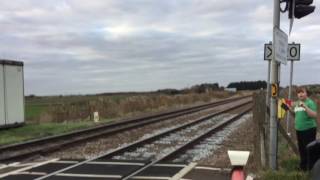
(169,91)
(248,85)
(201,88)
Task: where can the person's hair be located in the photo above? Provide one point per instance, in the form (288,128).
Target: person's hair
(302,89)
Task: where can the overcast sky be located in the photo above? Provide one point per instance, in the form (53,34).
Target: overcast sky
(81,46)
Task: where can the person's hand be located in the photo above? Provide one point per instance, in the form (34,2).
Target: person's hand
(301,104)
(285,106)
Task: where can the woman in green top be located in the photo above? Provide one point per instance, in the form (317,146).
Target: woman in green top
(305,111)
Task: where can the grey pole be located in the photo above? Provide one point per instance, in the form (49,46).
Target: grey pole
(273,102)
(262,137)
(290,97)
(268,84)
(268,88)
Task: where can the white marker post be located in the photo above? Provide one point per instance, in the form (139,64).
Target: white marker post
(293,55)
(268,57)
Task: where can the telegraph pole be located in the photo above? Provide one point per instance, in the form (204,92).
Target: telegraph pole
(273,101)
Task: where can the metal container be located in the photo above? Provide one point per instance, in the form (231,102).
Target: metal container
(11,93)
(2,107)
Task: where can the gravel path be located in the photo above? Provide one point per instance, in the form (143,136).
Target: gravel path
(241,138)
(203,151)
(159,148)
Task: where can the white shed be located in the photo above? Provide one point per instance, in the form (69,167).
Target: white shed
(11,93)
(231,89)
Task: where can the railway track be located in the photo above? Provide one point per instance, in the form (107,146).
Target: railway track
(169,155)
(27,149)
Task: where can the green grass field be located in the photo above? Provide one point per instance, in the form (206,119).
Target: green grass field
(33,111)
(32,131)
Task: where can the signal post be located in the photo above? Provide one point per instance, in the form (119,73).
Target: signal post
(296,9)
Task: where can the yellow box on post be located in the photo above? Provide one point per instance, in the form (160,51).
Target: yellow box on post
(281,111)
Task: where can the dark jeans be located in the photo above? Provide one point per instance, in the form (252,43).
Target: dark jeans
(304,138)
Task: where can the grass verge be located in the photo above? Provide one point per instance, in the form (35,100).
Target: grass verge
(288,165)
(282,175)
(33,131)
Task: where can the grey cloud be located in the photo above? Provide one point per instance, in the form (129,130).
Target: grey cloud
(79,46)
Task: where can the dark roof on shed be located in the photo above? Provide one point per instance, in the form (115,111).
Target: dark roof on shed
(11,62)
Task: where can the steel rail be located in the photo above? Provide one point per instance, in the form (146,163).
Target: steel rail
(56,142)
(187,145)
(131,146)
(155,137)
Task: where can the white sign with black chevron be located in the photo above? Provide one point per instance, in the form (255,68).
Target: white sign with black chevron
(293,52)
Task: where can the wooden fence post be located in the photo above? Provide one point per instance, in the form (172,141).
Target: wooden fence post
(259,110)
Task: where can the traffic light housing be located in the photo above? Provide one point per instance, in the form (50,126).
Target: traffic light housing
(300,8)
